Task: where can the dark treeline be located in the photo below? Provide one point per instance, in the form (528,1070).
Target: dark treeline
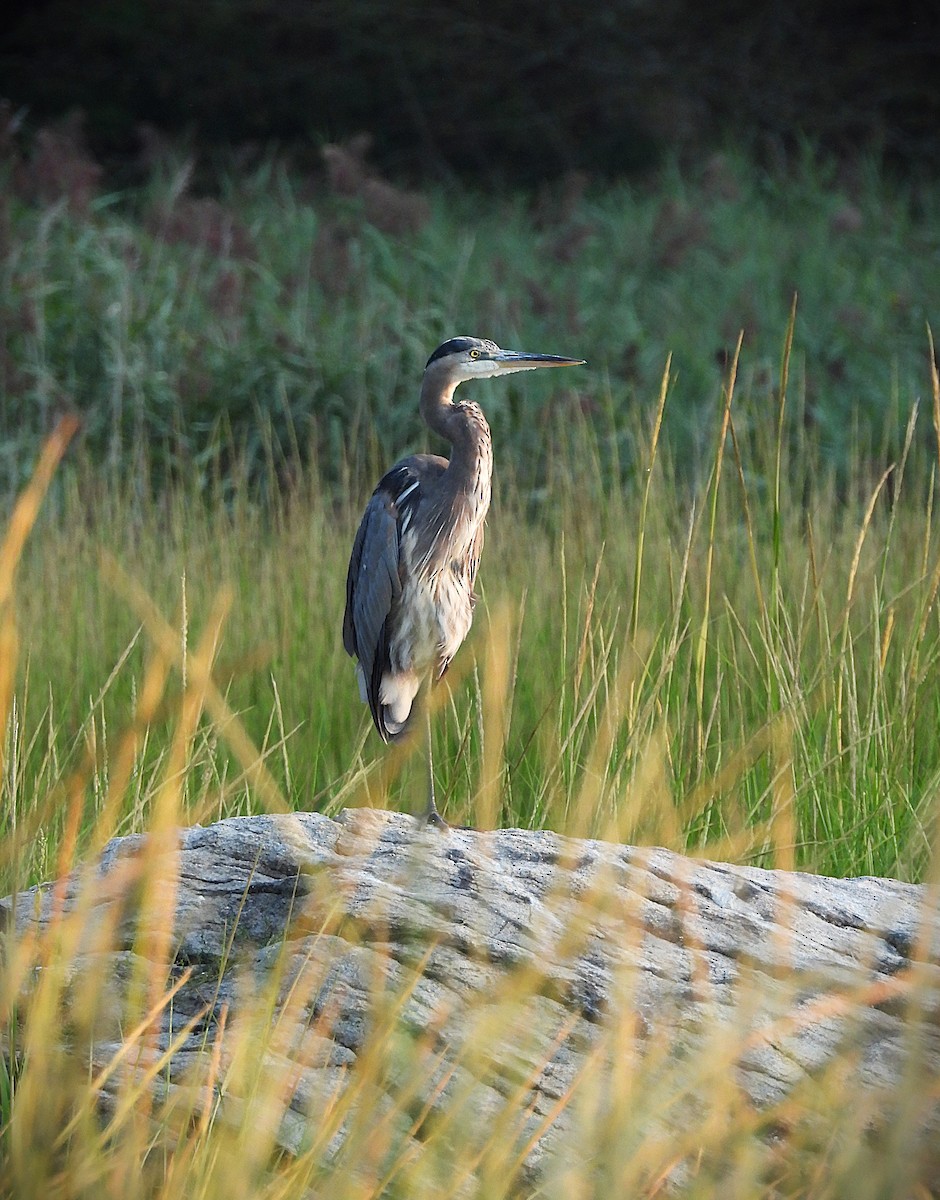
(514,89)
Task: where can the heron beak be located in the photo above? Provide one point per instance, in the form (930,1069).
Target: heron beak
(519,360)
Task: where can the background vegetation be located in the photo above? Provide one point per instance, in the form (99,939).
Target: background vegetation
(292,311)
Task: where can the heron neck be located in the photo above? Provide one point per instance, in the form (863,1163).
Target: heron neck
(465,427)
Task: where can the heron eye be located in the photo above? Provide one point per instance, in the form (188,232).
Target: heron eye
(474,353)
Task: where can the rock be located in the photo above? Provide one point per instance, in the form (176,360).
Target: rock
(531,945)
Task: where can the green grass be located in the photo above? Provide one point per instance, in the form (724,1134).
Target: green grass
(765,686)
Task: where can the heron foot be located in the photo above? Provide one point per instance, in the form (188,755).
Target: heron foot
(433,817)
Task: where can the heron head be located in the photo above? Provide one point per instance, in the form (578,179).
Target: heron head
(463,358)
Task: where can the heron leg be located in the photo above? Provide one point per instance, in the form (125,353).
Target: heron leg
(431,815)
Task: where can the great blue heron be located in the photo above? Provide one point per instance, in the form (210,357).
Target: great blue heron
(409,590)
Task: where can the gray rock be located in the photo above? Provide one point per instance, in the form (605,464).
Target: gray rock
(804,971)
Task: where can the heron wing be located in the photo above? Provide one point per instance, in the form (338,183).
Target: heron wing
(374,579)
(372,586)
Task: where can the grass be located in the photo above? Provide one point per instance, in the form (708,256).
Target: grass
(751,672)
(709,593)
(222,1130)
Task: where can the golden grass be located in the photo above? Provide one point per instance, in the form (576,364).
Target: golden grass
(608,761)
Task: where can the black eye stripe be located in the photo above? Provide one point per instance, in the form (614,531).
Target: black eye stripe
(454,346)
(457,345)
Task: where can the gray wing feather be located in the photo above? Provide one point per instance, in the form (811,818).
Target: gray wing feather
(372,587)
(374,582)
